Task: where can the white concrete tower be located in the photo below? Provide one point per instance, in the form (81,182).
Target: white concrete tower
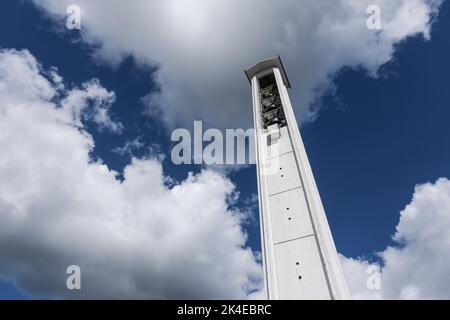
(299,255)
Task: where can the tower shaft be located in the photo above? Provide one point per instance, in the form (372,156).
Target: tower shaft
(299,254)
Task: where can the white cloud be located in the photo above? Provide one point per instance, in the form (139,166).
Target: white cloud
(202,46)
(91,93)
(135,238)
(129,147)
(418,266)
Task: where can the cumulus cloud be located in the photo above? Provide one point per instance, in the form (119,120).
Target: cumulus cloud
(91,93)
(134,237)
(418,265)
(202,46)
(129,147)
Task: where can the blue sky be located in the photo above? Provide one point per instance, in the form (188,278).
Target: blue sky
(374,140)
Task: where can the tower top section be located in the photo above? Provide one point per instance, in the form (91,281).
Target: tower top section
(268,64)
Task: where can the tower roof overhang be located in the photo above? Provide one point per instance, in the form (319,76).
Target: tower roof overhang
(268,64)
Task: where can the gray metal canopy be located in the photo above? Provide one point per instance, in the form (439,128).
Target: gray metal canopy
(268,64)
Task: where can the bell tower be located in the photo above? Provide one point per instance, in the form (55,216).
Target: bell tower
(299,255)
